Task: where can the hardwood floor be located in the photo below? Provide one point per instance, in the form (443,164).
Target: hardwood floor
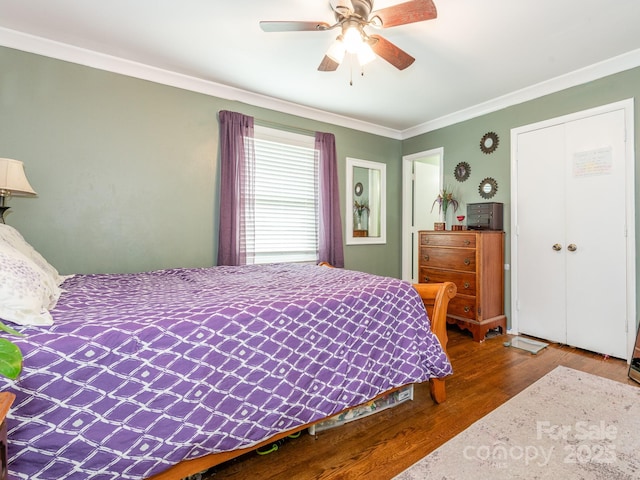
(381,446)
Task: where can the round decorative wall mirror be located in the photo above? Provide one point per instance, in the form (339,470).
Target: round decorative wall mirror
(462,171)
(488,187)
(489,142)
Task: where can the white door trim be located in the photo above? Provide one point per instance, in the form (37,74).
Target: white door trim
(408,233)
(628,107)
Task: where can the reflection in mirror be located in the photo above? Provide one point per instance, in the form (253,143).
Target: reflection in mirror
(488,188)
(366,202)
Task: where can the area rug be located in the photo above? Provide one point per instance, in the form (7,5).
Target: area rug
(568,425)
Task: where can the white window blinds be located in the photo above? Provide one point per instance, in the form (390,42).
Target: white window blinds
(286,197)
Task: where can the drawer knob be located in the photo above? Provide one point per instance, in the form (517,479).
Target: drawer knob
(467,243)
(426,279)
(467,309)
(426,257)
(467,261)
(467,285)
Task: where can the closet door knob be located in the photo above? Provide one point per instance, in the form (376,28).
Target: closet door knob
(557,247)
(571,247)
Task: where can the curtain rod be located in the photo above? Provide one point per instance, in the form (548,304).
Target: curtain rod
(280,126)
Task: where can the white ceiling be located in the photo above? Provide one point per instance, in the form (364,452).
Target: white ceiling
(478,55)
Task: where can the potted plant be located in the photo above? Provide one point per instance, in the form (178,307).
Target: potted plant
(10,367)
(359,208)
(445,199)
(10,355)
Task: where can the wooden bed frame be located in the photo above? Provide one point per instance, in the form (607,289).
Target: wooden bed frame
(435,297)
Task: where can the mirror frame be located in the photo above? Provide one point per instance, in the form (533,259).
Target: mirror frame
(350,198)
(488,188)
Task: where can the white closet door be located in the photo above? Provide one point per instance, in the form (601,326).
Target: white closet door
(571,244)
(541,301)
(596,270)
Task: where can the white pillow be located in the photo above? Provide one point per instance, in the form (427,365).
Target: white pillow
(10,235)
(26,292)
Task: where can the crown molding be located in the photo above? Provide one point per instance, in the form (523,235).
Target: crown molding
(61,51)
(613,65)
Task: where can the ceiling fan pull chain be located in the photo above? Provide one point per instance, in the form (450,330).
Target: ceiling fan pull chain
(350,71)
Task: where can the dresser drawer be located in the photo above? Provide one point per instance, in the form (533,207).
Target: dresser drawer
(467,240)
(466,282)
(462,306)
(448,258)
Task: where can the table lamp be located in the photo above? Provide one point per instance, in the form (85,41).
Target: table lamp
(13,181)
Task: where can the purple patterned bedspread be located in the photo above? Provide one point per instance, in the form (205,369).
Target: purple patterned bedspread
(141,371)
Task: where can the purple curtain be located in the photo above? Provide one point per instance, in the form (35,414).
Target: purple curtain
(330,227)
(237,180)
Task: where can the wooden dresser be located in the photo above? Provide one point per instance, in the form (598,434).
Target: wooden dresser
(474,261)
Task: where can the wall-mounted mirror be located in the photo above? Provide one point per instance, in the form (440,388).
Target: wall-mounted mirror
(488,188)
(366,212)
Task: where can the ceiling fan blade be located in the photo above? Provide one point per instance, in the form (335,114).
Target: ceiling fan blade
(278,26)
(388,51)
(328,65)
(407,12)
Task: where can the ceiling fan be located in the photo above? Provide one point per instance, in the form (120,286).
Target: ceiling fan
(352,16)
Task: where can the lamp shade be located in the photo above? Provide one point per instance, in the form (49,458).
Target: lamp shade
(13,181)
(337,50)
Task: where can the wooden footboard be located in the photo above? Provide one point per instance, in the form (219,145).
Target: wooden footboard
(435,297)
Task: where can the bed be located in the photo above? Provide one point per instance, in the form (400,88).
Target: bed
(162,374)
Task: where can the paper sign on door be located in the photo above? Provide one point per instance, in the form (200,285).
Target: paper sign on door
(593,162)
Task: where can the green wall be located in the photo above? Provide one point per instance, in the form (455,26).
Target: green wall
(461,142)
(127,170)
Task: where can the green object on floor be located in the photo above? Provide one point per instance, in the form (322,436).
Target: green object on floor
(267,449)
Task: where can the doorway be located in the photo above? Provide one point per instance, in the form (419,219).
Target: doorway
(422,178)
(573,230)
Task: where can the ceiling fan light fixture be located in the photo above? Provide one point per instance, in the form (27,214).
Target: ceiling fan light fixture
(365,54)
(352,39)
(352,17)
(337,50)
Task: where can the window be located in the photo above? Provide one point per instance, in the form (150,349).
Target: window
(286,197)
